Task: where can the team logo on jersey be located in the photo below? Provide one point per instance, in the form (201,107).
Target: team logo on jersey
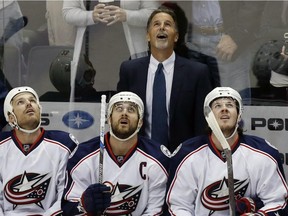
(216,196)
(78,119)
(124,200)
(28,188)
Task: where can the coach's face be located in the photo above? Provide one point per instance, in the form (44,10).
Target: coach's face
(226,114)
(162,32)
(124,119)
(26,110)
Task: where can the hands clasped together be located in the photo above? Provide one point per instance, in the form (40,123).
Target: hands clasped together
(108,14)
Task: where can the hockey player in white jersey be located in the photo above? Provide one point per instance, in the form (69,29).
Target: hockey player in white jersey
(135,169)
(32,160)
(199,185)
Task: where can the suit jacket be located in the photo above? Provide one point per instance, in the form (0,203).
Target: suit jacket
(190,86)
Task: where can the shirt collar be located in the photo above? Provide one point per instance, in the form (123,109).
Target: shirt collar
(167,64)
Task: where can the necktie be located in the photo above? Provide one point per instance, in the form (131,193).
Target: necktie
(159,131)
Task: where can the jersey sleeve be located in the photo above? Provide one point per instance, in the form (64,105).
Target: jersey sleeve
(182,193)
(78,178)
(76,185)
(75,14)
(271,188)
(157,189)
(67,140)
(56,207)
(1,199)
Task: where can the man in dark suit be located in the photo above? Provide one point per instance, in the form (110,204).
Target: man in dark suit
(187,82)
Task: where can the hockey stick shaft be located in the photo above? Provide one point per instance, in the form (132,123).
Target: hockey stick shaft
(228,155)
(213,124)
(102,131)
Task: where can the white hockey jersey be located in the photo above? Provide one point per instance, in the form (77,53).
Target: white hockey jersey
(32,176)
(199,186)
(138,180)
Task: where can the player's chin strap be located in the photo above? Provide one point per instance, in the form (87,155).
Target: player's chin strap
(123,140)
(15,125)
(235,130)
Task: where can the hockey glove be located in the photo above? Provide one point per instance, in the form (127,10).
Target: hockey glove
(96,198)
(245,205)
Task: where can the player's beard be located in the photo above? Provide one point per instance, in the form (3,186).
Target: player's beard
(227,130)
(29,122)
(123,133)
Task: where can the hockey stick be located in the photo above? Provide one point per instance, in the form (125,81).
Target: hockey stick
(102,131)
(213,124)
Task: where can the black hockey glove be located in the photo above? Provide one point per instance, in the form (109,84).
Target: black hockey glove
(245,205)
(96,198)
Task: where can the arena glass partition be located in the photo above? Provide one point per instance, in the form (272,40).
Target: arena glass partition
(37,47)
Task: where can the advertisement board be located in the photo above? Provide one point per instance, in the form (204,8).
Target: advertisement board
(83,121)
(271,123)
(80,119)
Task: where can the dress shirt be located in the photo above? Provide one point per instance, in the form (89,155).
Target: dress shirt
(168,69)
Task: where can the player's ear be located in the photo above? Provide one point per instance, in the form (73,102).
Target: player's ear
(11,118)
(140,123)
(239,119)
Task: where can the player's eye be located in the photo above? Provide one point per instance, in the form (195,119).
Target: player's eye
(230,105)
(20,102)
(119,108)
(33,100)
(131,109)
(217,106)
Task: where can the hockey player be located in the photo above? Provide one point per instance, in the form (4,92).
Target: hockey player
(199,186)
(33,160)
(135,169)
